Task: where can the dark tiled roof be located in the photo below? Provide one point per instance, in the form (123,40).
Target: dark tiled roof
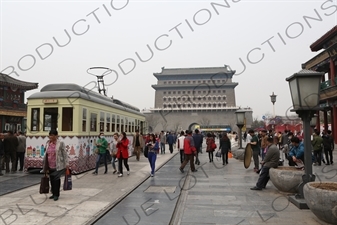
(305,71)
(10,81)
(318,45)
(195,71)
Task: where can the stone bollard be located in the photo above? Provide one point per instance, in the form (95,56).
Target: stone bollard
(286,179)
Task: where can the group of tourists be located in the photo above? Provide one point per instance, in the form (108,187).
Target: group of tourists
(267,145)
(118,151)
(12,150)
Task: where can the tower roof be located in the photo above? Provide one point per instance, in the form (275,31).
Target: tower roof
(196,71)
(10,81)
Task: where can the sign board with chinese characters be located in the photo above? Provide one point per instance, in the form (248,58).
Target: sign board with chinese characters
(49,101)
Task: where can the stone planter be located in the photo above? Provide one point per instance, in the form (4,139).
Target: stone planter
(239,154)
(286,179)
(321,198)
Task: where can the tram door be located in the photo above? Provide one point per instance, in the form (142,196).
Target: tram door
(50,119)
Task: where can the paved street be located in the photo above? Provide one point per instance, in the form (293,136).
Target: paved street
(216,194)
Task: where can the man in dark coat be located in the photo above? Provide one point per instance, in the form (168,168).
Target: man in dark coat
(328,145)
(11,144)
(271,160)
(197,137)
(170,140)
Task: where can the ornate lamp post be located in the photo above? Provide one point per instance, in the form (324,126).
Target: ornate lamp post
(240,122)
(304,89)
(273,100)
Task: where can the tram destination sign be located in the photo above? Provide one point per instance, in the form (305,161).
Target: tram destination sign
(49,101)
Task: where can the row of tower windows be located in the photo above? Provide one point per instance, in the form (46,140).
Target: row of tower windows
(199,98)
(204,105)
(195,92)
(196,81)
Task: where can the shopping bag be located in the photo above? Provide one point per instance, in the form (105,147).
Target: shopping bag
(218,154)
(67,184)
(230,155)
(146,151)
(44,185)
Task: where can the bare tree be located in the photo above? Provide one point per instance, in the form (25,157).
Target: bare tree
(257,123)
(164,125)
(176,127)
(204,121)
(152,121)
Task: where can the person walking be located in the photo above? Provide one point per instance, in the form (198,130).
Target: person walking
(162,138)
(55,162)
(190,151)
(170,141)
(210,146)
(11,144)
(317,145)
(197,137)
(137,144)
(181,146)
(123,154)
(256,149)
(102,145)
(153,146)
(113,152)
(328,146)
(225,146)
(20,151)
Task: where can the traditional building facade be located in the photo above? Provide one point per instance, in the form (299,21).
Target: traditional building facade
(186,98)
(326,61)
(13,109)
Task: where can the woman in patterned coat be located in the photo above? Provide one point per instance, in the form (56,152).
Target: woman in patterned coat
(55,161)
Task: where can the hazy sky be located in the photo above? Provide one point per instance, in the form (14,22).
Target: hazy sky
(270,37)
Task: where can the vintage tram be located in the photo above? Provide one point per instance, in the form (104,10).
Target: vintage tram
(79,115)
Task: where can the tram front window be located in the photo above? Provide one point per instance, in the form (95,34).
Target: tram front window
(50,118)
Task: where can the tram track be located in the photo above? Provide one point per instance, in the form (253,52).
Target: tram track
(114,204)
(180,205)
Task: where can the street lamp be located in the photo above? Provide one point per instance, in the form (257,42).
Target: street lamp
(304,89)
(240,122)
(273,100)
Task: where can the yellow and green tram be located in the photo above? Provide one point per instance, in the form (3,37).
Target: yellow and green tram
(79,115)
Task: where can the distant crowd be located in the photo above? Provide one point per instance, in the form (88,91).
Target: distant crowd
(12,149)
